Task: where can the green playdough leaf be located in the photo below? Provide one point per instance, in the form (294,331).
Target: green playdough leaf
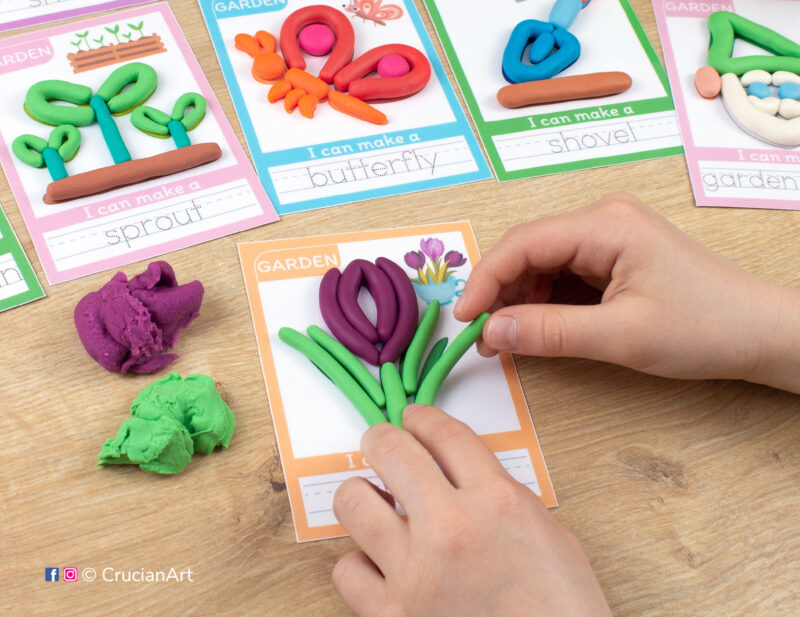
(726,27)
(151,120)
(66,140)
(128,86)
(39,107)
(195,116)
(28,149)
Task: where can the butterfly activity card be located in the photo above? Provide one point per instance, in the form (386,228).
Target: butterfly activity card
(18,282)
(351,328)
(119,151)
(734,67)
(23,13)
(558,85)
(341,101)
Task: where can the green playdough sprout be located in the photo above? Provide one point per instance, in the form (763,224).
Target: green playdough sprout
(416,348)
(173,418)
(725,27)
(62,146)
(159,124)
(396,398)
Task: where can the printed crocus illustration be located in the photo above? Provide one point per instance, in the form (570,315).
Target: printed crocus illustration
(434,275)
(454,259)
(432,247)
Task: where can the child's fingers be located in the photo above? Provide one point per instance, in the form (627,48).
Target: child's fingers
(373,524)
(360,584)
(406,468)
(462,456)
(576,241)
(556,330)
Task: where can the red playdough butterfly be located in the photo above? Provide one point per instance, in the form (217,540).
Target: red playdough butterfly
(373,10)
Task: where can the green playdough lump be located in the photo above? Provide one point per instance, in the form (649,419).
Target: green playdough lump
(172,418)
(39,107)
(128,86)
(725,27)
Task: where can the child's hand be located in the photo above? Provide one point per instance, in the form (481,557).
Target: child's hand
(671,307)
(474,542)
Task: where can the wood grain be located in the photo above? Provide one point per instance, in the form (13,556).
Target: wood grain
(685,494)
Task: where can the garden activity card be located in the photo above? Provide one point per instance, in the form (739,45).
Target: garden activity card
(18,282)
(24,13)
(318,429)
(742,135)
(101,179)
(485,44)
(417,137)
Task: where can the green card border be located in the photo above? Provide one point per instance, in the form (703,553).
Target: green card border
(487,130)
(9,243)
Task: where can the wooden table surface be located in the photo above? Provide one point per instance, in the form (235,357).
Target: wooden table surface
(685,494)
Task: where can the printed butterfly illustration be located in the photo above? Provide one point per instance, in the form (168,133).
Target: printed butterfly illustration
(374,11)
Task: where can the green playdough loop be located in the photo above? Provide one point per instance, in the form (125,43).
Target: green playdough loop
(429,388)
(66,140)
(725,27)
(335,372)
(39,107)
(195,116)
(128,86)
(417,347)
(151,120)
(396,399)
(436,352)
(350,362)
(29,149)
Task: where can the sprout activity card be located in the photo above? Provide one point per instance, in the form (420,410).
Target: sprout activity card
(349,303)
(734,67)
(553,87)
(370,110)
(23,13)
(18,282)
(119,151)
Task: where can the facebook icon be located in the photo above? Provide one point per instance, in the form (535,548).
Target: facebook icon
(51,574)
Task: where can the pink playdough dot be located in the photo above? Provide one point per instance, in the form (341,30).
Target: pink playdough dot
(393,66)
(316,39)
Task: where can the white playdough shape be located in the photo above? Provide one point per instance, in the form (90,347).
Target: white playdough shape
(769,105)
(785,77)
(789,109)
(769,128)
(756,77)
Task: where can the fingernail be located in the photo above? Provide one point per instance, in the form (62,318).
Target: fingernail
(501,332)
(459,304)
(410,409)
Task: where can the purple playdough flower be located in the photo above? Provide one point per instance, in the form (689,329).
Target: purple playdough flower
(415,259)
(454,259)
(128,325)
(432,247)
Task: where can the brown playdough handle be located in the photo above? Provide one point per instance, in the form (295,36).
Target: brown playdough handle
(349,79)
(337,21)
(558,89)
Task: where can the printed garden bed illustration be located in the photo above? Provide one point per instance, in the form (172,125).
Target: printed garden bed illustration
(113,46)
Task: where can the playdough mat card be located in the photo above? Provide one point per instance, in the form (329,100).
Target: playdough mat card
(529,140)
(96,186)
(335,158)
(318,429)
(18,282)
(742,136)
(23,13)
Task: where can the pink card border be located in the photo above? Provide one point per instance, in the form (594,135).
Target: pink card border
(242,169)
(693,152)
(67,14)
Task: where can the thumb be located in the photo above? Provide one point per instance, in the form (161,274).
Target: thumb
(554,330)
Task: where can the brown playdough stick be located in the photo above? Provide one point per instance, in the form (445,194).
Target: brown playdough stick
(563,89)
(131,172)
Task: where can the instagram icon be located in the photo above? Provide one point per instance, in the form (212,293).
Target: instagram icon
(70,574)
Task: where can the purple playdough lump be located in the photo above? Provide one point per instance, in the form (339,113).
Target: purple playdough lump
(128,325)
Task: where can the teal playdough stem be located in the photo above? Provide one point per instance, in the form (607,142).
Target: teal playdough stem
(335,372)
(396,399)
(436,352)
(350,362)
(110,131)
(179,134)
(416,348)
(54,164)
(429,388)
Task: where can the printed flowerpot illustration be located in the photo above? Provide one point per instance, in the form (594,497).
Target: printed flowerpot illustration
(443,292)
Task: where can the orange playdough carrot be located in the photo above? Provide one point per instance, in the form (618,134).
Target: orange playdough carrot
(247,44)
(279,90)
(356,107)
(267,41)
(308,105)
(267,67)
(292,99)
(309,83)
